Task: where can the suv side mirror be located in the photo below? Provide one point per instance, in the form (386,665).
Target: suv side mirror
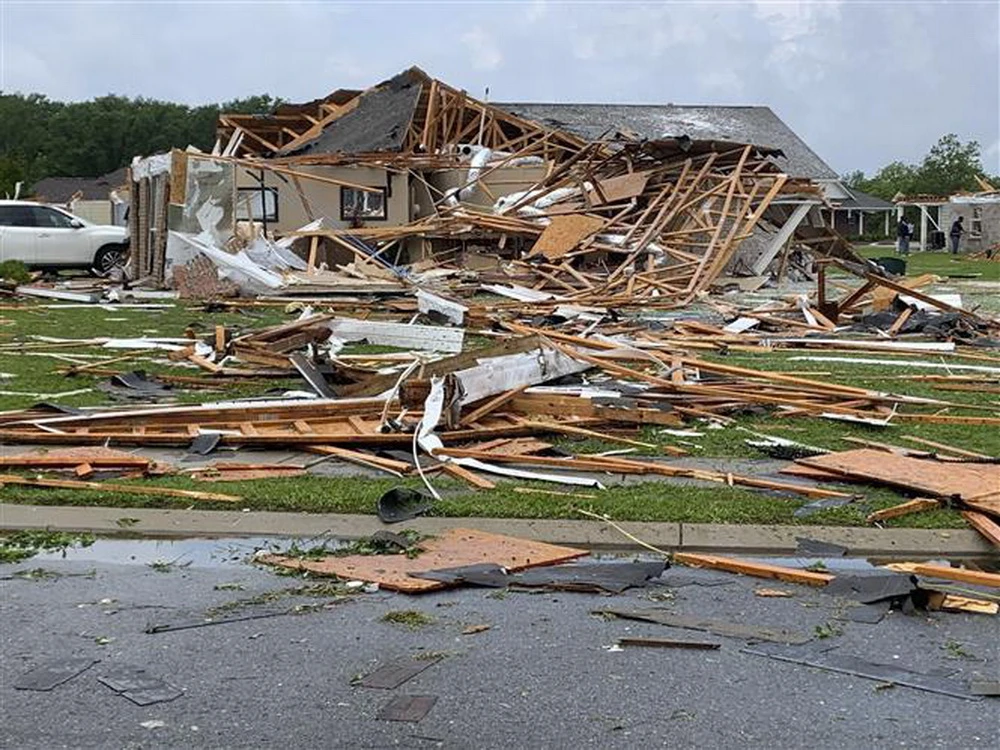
(76,224)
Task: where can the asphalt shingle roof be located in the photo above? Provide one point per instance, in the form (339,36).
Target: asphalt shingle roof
(757,125)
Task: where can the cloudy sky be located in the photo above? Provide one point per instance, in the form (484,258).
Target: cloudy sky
(864,83)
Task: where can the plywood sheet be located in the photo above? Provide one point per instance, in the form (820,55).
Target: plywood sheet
(927,477)
(620,188)
(454,548)
(564,234)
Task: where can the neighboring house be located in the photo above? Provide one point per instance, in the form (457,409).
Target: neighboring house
(92,198)
(854,212)
(981,212)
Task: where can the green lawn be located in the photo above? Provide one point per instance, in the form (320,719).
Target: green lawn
(938,262)
(646,501)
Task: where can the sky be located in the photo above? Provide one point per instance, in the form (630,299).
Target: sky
(863,83)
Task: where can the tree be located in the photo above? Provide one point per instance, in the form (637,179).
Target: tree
(42,138)
(949,167)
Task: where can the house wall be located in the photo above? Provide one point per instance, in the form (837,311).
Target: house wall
(990,222)
(503,181)
(324,199)
(97,212)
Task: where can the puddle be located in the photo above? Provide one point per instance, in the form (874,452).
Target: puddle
(194,552)
(201,552)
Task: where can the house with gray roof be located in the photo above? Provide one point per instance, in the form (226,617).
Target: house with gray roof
(749,124)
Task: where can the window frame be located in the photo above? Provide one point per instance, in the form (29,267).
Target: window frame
(976,223)
(41,211)
(242,205)
(348,215)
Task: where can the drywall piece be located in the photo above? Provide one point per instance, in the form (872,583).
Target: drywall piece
(501,374)
(519,293)
(423,338)
(453,312)
(451,549)
(37,291)
(741,324)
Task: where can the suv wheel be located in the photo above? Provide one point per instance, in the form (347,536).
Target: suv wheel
(108,258)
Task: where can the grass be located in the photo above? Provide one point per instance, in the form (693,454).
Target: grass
(22,545)
(645,501)
(410,618)
(939,262)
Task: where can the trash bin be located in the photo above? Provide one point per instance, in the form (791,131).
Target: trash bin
(892,266)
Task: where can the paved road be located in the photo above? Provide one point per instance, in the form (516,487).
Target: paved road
(542,676)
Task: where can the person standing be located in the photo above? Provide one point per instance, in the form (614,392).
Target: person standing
(904,231)
(957,230)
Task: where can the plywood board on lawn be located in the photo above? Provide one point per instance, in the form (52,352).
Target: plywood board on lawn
(927,477)
(452,549)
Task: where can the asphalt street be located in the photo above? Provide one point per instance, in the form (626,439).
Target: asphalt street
(545,674)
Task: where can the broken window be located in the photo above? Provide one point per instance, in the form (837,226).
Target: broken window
(362,204)
(976,230)
(257,204)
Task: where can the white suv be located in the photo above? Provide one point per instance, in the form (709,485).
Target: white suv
(47,237)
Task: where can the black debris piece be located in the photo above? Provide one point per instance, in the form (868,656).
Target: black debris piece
(407,708)
(669,643)
(203,445)
(401,504)
(816,548)
(53,672)
(204,621)
(390,676)
(487,575)
(389,543)
(874,587)
(835,661)
(593,578)
(311,375)
(140,687)
(678,577)
(719,627)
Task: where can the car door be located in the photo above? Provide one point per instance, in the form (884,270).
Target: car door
(17,234)
(58,241)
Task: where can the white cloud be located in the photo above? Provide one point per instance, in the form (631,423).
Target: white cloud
(537,10)
(483,49)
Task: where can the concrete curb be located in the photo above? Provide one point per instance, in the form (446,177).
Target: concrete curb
(760,540)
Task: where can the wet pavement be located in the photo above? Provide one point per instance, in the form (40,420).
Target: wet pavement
(546,672)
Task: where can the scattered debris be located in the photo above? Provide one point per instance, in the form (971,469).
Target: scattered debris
(50,674)
(718,627)
(391,676)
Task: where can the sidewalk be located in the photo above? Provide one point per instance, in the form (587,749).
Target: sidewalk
(760,540)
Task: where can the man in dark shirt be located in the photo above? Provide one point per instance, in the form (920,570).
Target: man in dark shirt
(904,231)
(957,230)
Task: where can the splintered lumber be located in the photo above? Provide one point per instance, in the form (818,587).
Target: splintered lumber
(453,548)
(131,489)
(668,643)
(460,472)
(904,509)
(957,603)
(70,461)
(927,477)
(963,575)
(758,570)
(362,459)
(943,447)
(984,525)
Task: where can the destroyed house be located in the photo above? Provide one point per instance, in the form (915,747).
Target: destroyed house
(413,169)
